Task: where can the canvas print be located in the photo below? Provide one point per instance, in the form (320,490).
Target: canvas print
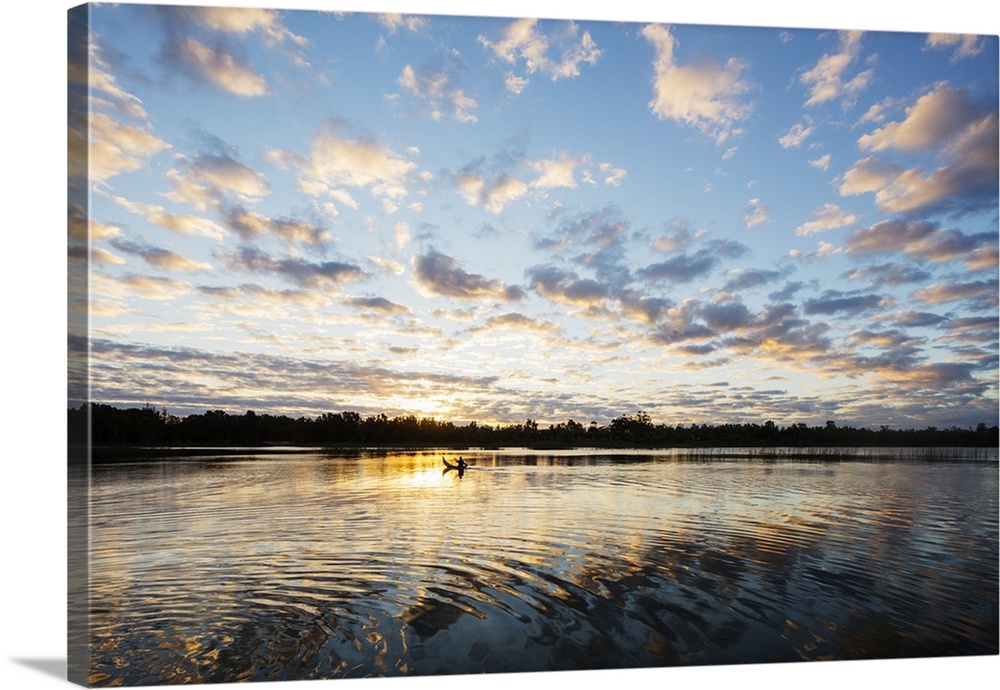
(415,345)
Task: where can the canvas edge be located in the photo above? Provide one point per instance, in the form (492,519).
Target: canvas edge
(78,347)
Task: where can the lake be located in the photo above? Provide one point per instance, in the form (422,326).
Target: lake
(312,564)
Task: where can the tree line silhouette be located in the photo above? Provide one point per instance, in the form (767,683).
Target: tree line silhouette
(147,426)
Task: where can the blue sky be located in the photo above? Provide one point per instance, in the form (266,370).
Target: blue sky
(495,219)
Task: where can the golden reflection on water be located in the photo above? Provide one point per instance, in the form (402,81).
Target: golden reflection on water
(385,564)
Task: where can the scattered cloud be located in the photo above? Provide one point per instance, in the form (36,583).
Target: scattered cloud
(837,302)
(755,213)
(983,292)
(338,161)
(963,136)
(117,148)
(437,274)
(436,86)
(741,279)
(829,79)
(705,95)
(394,21)
(523,41)
(821,163)
(155,288)
(889,274)
(794,137)
(159,257)
(827,217)
(215,66)
(249,225)
(936,118)
(98,75)
(242,21)
(962,45)
(315,275)
(684,268)
(207,180)
(515,321)
(379,305)
(566,287)
(612,176)
(180,223)
(555,172)
(924,241)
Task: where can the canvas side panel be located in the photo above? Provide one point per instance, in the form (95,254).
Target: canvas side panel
(78,376)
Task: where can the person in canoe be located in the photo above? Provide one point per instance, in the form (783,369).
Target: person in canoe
(460,465)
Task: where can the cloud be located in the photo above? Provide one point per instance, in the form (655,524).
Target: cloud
(755,213)
(308,274)
(96,256)
(828,79)
(821,163)
(248,225)
(982,292)
(726,316)
(794,137)
(436,86)
(131,285)
(823,250)
(678,239)
(517,321)
(828,217)
(338,161)
(515,84)
(924,241)
(82,227)
(376,304)
(835,302)
(965,45)
(524,42)
(215,66)
(387,265)
(602,229)
(566,287)
(612,176)
(747,278)
(915,319)
(972,329)
(555,172)
(686,267)
(936,118)
(206,180)
(964,138)
(394,21)
(437,274)
(889,274)
(704,95)
(493,194)
(240,20)
(238,380)
(159,257)
(117,148)
(96,73)
(180,223)
(648,310)
(255,300)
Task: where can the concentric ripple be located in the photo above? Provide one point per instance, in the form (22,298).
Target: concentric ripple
(317,566)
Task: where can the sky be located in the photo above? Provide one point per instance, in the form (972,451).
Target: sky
(495,219)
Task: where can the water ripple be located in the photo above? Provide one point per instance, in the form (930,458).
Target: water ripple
(319,567)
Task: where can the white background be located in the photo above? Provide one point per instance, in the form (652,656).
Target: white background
(33,270)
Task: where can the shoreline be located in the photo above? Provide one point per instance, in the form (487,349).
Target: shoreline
(125,454)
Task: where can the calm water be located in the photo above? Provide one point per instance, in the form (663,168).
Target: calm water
(315,566)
